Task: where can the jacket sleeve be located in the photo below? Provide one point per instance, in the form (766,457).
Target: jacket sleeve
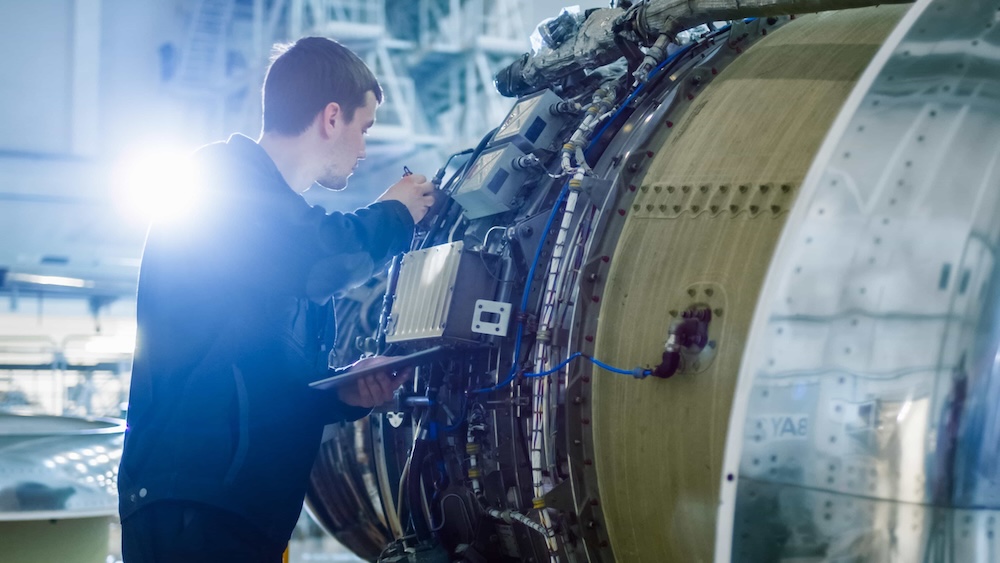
(292,249)
(354,246)
(382,229)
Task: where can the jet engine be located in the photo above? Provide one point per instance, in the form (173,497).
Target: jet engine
(732,295)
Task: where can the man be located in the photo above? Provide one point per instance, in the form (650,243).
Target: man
(235,319)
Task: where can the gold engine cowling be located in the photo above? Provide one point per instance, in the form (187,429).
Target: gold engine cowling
(714,185)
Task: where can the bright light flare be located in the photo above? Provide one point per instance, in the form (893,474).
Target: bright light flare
(157,185)
(122,343)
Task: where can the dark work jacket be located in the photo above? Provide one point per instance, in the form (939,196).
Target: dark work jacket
(235,318)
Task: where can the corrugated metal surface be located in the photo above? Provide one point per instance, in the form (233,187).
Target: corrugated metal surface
(424,293)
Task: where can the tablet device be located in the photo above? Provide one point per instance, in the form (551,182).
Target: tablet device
(398,363)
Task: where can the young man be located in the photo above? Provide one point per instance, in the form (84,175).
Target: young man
(235,315)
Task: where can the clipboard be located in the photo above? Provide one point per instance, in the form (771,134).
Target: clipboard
(398,363)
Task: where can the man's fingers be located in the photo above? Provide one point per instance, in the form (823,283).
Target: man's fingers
(385,387)
(368,396)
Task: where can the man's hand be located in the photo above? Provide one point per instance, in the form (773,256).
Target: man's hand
(413,191)
(374,389)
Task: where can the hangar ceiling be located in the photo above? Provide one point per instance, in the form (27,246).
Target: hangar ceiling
(111,78)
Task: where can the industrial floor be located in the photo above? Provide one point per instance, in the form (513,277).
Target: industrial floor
(309,544)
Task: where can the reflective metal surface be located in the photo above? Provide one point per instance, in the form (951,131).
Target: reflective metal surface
(58,467)
(865,423)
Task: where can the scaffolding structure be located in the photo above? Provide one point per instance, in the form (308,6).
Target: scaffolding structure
(434,58)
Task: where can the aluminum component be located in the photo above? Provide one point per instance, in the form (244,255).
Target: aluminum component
(864,423)
(346,494)
(54,468)
(491,317)
(437,292)
(493,182)
(595,44)
(532,123)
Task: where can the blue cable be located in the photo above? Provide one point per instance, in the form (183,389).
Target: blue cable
(527,294)
(557,368)
(637,372)
(636,92)
(649,77)
(548,226)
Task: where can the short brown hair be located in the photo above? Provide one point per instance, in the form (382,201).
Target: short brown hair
(309,74)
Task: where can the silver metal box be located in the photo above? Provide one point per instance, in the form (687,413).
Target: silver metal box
(493,183)
(436,294)
(531,124)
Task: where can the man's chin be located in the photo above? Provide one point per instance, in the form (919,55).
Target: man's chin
(333,183)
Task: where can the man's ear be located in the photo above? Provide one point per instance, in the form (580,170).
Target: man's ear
(331,117)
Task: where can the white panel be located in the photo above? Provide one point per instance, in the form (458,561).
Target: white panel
(424,293)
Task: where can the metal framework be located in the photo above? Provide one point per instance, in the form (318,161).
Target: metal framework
(434,58)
